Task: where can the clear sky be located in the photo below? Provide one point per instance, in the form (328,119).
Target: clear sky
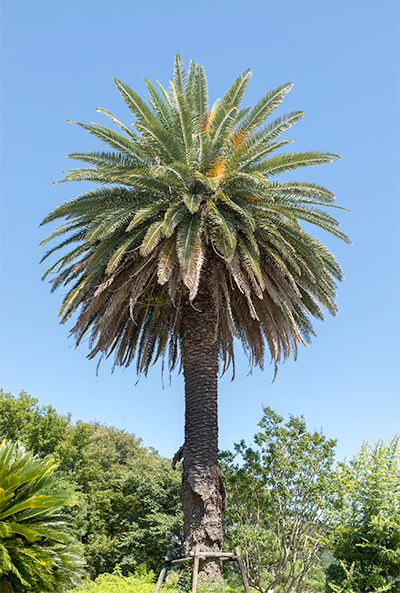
(58,60)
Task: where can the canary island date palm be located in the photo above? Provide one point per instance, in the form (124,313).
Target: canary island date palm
(190,242)
(38,551)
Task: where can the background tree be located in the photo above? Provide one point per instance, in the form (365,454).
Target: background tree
(367,538)
(279,505)
(129,506)
(190,243)
(38,551)
(130,511)
(40,428)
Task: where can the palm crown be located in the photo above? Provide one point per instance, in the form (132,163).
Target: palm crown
(188,192)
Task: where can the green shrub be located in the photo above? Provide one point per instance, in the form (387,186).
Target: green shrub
(116,583)
(142,582)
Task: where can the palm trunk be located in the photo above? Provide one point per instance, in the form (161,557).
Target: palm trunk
(203,492)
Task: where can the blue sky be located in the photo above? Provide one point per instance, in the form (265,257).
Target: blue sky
(58,60)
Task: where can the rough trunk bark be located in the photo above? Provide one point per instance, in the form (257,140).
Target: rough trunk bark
(203,493)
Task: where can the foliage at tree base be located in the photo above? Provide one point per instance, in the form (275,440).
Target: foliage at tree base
(144,582)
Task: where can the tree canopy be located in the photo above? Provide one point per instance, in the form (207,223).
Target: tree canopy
(279,502)
(128,495)
(367,537)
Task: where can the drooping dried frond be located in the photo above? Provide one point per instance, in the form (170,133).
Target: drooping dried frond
(187,192)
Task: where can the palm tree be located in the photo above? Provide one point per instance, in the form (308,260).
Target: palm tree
(189,243)
(38,552)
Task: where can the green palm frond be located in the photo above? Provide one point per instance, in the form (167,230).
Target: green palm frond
(250,254)
(135,104)
(173,216)
(159,105)
(37,548)
(107,159)
(280,125)
(222,230)
(188,236)
(256,152)
(152,237)
(107,224)
(126,146)
(312,191)
(68,273)
(291,161)
(198,97)
(219,134)
(183,116)
(265,106)
(189,192)
(91,203)
(232,99)
(127,244)
(192,201)
(242,209)
(180,75)
(128,131)
(142,215)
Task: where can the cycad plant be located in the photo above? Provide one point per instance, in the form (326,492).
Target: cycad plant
(38,551)
(190,242)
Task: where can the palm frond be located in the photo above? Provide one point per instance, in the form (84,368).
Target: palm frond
(144,214)
(222,230)
(315,192)
(152,237)
(180,76)
(128,131)
(265,106)
(173,216)
(280,125)
(167,260)
(192,201)
(183,115)
(188,236)
(159,104)
(110,159)
(198,95)
(127,146)
(135,104)
(37,550)
(251,257)
(291,161)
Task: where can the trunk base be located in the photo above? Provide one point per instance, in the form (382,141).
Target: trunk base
(203,498)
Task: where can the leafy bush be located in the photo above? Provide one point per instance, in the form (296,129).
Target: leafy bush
(141,582)
(144,582)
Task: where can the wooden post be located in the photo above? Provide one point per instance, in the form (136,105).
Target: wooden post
(196,561)
(195,568)
(163,571)
(242,570)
